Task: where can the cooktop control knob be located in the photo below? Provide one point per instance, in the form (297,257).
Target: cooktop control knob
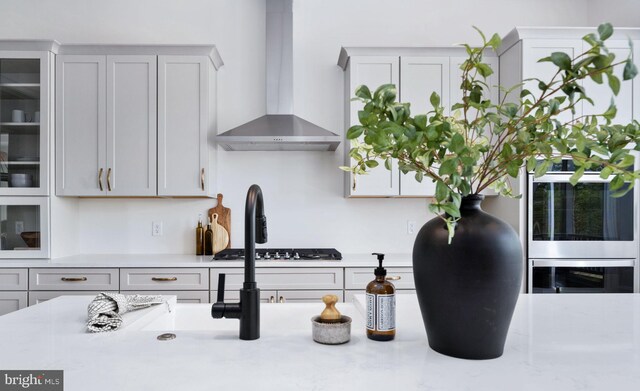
(286,255)
(267,255)
(296,256)
(277,256)
(258,255)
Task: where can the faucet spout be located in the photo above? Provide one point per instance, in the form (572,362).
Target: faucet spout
(248,310)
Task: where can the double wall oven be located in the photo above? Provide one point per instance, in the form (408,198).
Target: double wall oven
(580,238)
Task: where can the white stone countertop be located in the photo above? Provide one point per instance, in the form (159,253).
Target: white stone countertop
(556,342)
(185,260)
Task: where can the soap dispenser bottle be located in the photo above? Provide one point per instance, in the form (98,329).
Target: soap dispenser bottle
(381,305)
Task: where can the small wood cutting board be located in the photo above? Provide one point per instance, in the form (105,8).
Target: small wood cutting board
(224,216)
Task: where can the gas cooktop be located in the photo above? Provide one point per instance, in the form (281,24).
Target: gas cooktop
(281,254)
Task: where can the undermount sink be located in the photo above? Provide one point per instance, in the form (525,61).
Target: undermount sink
(274,318)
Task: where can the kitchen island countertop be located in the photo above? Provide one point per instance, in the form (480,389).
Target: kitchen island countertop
(186,260)
(556,342)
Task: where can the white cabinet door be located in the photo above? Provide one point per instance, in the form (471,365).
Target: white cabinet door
(131,125)
(37,297)
(419,77)
(535,49)
(80,125)
(371,71)
(183,122)
(12,301)
(602,94)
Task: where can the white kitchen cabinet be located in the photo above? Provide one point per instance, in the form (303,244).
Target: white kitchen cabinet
(602,94)
(81,125)
(419,77)
(68,279)
(417,72)
(12,301)
(191,297)
(25,101)
(37,297)
(106,124)
(297,278)
(371,71)
(359,277)
(13,279)
(24,228)
(131,125)
(186,126)
(164,279)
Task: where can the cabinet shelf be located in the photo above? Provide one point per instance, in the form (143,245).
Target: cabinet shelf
(19,90)
(19,163)
(31,128)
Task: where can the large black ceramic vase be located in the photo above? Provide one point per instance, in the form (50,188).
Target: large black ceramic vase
(468,289)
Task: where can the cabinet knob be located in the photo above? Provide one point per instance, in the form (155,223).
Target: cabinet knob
(272,299)
(393,278)
(282,300)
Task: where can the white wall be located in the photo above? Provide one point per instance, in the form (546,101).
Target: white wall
(303,191)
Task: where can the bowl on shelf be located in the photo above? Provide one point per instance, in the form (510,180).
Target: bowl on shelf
(20,180)
(31,238)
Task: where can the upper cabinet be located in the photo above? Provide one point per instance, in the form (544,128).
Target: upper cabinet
(135,121)
(416,72)
(25,86)
(523,47)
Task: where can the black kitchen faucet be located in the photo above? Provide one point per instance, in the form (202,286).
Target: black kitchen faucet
(248,309)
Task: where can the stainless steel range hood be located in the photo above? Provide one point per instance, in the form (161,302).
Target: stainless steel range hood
(280,129)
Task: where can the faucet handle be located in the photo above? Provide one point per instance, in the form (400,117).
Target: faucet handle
(221,278)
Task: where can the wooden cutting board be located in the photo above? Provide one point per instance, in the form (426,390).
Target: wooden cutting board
(224,216)
(220,235)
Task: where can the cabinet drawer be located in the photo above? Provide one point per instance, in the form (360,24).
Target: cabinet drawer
(73,279)
(13,279)
(358,278)
(283,278)
(164,279)
(349,295)
(37,297)
(12,301)
(234,296)
(197,297)
(314,296)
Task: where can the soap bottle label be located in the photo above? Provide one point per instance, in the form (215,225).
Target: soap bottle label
(381,312)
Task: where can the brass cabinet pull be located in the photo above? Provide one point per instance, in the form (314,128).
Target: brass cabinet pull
(282,300)
(272,299)
(202,179)
(164,278)
(109,179)
(100,178)
(74,279)
(393,278)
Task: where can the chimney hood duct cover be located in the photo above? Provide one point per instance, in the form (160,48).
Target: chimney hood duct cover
(280,129)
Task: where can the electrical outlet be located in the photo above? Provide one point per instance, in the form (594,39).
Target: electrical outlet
(156,228)
(19,227)
(411,227)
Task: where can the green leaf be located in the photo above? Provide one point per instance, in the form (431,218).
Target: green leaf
(576,176)
(363,92)
(614,84)
(449,166)
(387,164)
(419,176)
(355,132)
(605,30)
(371,163)
(616,183)
(442,191)
(484,70)
(451,210)
(542,168)
(457,143)
(366,118)
(606,172)
(435,100)
(495,41)
(630,70)
(561,60)
(531,163)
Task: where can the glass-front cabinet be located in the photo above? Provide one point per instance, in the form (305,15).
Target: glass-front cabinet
(24,227)
(24,122)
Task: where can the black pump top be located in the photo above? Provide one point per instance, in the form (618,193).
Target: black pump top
(380,271)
